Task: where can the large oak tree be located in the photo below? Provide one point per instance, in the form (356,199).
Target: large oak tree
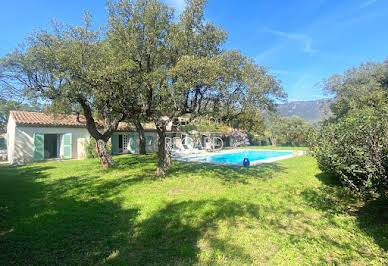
(74,68)
(183,68)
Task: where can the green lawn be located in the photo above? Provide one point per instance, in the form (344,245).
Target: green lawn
(73,212)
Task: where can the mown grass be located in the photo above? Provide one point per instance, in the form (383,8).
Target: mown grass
(73,212)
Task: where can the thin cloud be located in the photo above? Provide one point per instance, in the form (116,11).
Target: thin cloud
(367,3)
(263,55)
(303,38)
(179,5)
(284,72)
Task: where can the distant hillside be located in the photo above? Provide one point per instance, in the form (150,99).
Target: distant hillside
(311,111)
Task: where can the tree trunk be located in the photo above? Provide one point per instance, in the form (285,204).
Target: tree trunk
(164,153)
(110,126)
(274,141)
(142,140)
(103,154)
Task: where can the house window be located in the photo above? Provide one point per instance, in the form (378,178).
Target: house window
(125,143)
(150,140)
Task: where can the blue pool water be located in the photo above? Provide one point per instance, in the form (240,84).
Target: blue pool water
(238,157)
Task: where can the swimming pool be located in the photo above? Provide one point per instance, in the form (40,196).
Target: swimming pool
(237,157)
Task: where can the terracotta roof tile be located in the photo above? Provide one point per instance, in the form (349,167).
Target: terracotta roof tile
(42,119)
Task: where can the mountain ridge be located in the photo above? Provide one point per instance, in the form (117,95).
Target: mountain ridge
(313,111)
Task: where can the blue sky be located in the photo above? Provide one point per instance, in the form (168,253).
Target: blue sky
(303,42)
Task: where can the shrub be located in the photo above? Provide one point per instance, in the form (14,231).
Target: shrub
(239,138)
(355,149)
(90,148)
(290,131)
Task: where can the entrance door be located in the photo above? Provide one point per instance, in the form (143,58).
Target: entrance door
(51,146)
(125,143)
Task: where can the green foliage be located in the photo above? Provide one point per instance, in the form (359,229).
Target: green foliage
(8,105)
(366,86)
(145,61)
(356,149)
(354,144)
(289,131)
(206,125)
(251,123)
(90,148)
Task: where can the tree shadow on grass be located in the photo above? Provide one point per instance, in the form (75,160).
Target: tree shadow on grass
(373,219)
(334,199)
(41,224)
(71,221)
(133,160)
(227,173)
(172,235)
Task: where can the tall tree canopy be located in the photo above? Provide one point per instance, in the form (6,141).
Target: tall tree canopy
(354,145)
(182,67)
(358,88)
(75,69)
(146,64)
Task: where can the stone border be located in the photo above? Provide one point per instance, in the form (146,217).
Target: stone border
(186,158)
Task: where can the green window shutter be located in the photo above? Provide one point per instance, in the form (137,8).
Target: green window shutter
(115,144)
(132,143)
(67,146)
(151,140)
(3,145)
(38,147)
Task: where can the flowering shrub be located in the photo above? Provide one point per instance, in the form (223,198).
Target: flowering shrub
(239,138)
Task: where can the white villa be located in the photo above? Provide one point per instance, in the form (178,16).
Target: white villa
(33,136)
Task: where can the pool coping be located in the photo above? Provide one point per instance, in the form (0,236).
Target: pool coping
(294,153)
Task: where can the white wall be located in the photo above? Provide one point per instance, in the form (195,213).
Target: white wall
(23,146)
(20,141)
(11,126)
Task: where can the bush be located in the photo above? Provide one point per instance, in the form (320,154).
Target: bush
(355,149)
(289,131)
(239,138)
(90,148)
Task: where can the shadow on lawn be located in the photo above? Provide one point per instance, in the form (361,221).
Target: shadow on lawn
(334,199)
(71,221)
(227,173)
(172,235)
(39,225)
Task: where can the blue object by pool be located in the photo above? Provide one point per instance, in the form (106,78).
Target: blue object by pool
(246,162)
(238,157)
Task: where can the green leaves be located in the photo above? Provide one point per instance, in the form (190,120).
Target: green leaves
(355,149)
(366,86)
(291,130)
